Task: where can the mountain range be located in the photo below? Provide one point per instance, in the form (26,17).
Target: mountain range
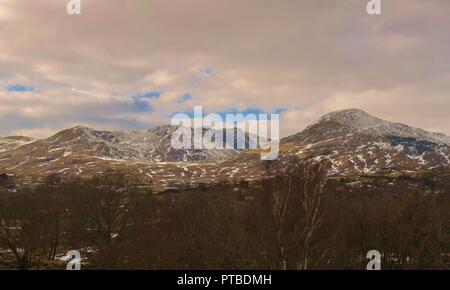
(355,143)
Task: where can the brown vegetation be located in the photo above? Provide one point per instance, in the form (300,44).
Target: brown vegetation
(293,220)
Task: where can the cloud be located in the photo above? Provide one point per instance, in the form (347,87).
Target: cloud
(308,57)
(160,78)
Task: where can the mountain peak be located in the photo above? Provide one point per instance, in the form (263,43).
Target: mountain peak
(358,121)
(72,134)
(355,118)
(80,128)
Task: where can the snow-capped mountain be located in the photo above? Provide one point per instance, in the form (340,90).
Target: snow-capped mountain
(153,145)
(363,122)
(356,142)
(84,151)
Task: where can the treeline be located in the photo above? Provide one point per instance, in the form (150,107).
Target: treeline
(294,220)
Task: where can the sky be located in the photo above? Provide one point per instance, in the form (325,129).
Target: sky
(133,64)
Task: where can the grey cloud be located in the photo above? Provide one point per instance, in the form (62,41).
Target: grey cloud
(310,56)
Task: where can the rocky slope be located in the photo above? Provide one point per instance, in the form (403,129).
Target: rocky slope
(355,142)
(358,143)
(85,152)
(13,142)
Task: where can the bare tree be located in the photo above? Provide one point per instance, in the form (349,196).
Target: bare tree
(296,195)
(311,198)
(20,233)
